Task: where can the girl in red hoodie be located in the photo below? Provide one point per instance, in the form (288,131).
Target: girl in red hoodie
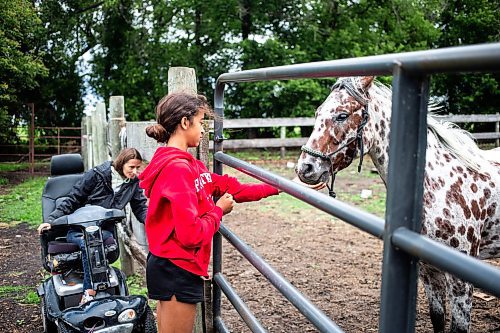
(182,216)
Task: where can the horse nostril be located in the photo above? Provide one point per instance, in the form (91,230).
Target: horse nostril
(305,169)
(308,168)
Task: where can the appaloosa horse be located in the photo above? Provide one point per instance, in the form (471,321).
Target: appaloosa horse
(461,182)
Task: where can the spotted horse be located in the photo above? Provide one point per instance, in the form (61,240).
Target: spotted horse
(461,182)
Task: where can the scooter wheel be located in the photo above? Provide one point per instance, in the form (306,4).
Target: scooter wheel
(48,325)
(148,323)
(64,328)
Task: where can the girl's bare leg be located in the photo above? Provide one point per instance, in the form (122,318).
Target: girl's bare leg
(175,317)
(158,316)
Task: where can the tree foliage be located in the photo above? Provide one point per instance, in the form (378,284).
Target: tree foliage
(464,23)
(69,35)
(21,65)
(130,45)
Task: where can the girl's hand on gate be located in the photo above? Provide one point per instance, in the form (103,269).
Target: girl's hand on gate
(42,227)
(317,187)
(226,203)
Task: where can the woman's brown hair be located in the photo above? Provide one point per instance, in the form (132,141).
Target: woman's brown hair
(123,157)
(170,111)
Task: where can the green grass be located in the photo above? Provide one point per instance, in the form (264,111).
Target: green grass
(23,203)
(264,154)
(23,294)
(136,285)
(13,166)
(374,204)
(284,204)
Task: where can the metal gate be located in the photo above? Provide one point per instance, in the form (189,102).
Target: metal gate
(403,244)
(38,143)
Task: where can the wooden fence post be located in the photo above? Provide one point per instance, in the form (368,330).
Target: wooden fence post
(497,129)
(282,137)
(116,119)
(90,142)
(99,125)
(184,79)
(84,142)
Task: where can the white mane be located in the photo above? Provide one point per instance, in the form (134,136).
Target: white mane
(457,141)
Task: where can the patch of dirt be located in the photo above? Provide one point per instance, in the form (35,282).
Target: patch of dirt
(336,266)
(13,179)
(20,266)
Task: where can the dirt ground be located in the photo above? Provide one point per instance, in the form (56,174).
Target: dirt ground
(336,266)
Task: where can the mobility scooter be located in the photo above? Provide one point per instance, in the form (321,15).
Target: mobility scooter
(113,309)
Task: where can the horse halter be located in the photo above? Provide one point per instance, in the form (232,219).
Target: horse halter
(363,100)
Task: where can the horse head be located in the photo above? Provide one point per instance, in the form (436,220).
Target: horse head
(337,136)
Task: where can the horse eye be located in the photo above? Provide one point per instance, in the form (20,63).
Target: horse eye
(342,117)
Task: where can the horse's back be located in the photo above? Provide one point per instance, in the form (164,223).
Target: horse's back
(460,202)
(493,156)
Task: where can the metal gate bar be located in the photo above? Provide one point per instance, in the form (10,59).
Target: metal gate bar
(481,274)
(240,306)
(410,94)
(478,272)
(365,221)
(309,310)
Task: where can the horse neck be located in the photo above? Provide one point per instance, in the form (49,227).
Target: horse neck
(377,136)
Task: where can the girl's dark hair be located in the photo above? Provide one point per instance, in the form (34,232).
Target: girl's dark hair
(170,111)
(123,157)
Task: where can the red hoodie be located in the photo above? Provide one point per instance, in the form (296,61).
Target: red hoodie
(182,216)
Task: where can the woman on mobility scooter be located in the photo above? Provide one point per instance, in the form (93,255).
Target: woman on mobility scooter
(113,309)
(109,185)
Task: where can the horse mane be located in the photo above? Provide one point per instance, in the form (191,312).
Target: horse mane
(457,141)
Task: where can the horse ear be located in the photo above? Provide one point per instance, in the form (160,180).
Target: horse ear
(366,81)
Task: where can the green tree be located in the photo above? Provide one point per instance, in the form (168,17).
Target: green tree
(132,43)
(70,33)
(21,65)
(464,23)
(306,31)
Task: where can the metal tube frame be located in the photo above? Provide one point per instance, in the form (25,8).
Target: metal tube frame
(309,310)
(404,191)
(375,226)
(238,304)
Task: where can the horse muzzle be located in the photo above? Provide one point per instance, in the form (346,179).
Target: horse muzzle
(310,175)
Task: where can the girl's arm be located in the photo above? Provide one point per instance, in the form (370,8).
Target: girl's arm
(191,230)
(241,192)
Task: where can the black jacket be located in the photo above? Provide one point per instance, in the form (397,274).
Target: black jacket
(95,189)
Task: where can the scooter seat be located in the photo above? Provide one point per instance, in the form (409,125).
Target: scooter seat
(62,256)
(56,247)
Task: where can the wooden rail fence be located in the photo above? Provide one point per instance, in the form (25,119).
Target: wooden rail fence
(284,142)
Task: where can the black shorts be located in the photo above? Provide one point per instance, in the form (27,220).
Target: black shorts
(164,279)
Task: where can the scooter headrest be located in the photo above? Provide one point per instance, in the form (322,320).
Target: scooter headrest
(66,164)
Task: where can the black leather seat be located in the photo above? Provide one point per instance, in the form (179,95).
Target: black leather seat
(66,170)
